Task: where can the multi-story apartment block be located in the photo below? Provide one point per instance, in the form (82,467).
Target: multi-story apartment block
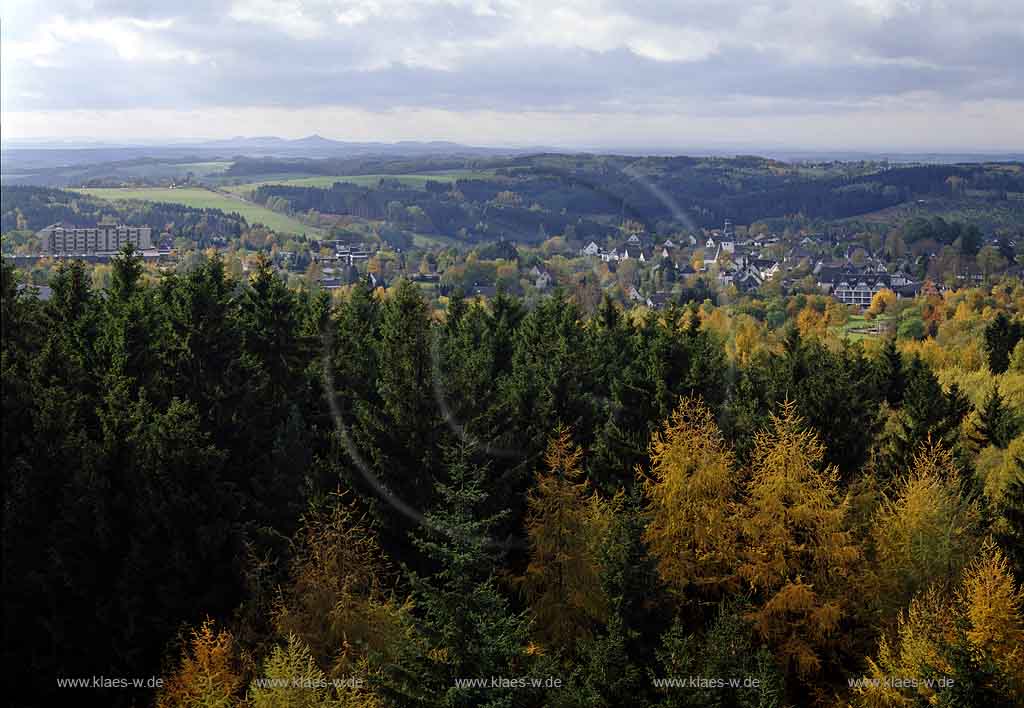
(105,238)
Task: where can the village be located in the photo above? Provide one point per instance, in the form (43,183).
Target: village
(639,268)
(654,271)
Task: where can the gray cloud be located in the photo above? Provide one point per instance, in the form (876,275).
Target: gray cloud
(796,56)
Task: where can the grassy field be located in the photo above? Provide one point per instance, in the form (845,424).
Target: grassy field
(859,327)
(435,240)
(205,199)
(418,181)
(206,168)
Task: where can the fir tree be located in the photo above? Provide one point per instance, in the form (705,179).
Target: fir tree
(928,414)
(727,651)
(400,436)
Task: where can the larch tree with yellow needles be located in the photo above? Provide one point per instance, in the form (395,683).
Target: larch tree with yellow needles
(292,679)
(925,534)
(209,675)
(972,636)
(994,607)
(691,493)
(566,524)
(336,603)
(797,552)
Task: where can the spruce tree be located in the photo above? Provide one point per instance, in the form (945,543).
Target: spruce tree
(727,651)
(464,628)
(1001,336)
(929,414)
(890,373)
(996,424)
(1010,525)
(400,434)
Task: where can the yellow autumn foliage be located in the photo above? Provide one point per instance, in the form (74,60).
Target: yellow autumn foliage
(335,602)
(984,613)
(925,533)
(692,529)
(797,554)
(566,524)
(209,675)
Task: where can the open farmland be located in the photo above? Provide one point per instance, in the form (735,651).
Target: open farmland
(325,181)
(199,198)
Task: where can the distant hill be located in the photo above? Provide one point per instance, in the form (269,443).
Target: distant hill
(42,163)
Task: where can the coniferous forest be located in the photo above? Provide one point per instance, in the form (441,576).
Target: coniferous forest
(250,495)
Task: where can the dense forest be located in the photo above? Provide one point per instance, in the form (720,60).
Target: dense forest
(529,197)
(236,486)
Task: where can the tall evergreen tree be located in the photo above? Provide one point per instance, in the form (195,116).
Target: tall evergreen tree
(1001,336)
(727,651)
(401,437)
(546,387)
(835,393)
(890,373)
(465,628)
(929,414)
(996,423)
(1010,525)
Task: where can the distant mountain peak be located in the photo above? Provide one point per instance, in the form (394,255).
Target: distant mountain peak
(314,139)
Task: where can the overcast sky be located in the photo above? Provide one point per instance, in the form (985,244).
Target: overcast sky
(814,74)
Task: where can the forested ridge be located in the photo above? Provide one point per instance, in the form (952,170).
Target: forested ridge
(557,191)
(222,481)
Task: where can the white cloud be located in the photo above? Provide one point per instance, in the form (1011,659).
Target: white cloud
(289,16)
(54,43)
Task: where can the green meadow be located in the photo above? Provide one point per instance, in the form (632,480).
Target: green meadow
(417,181)
(200,198)
(860,327)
